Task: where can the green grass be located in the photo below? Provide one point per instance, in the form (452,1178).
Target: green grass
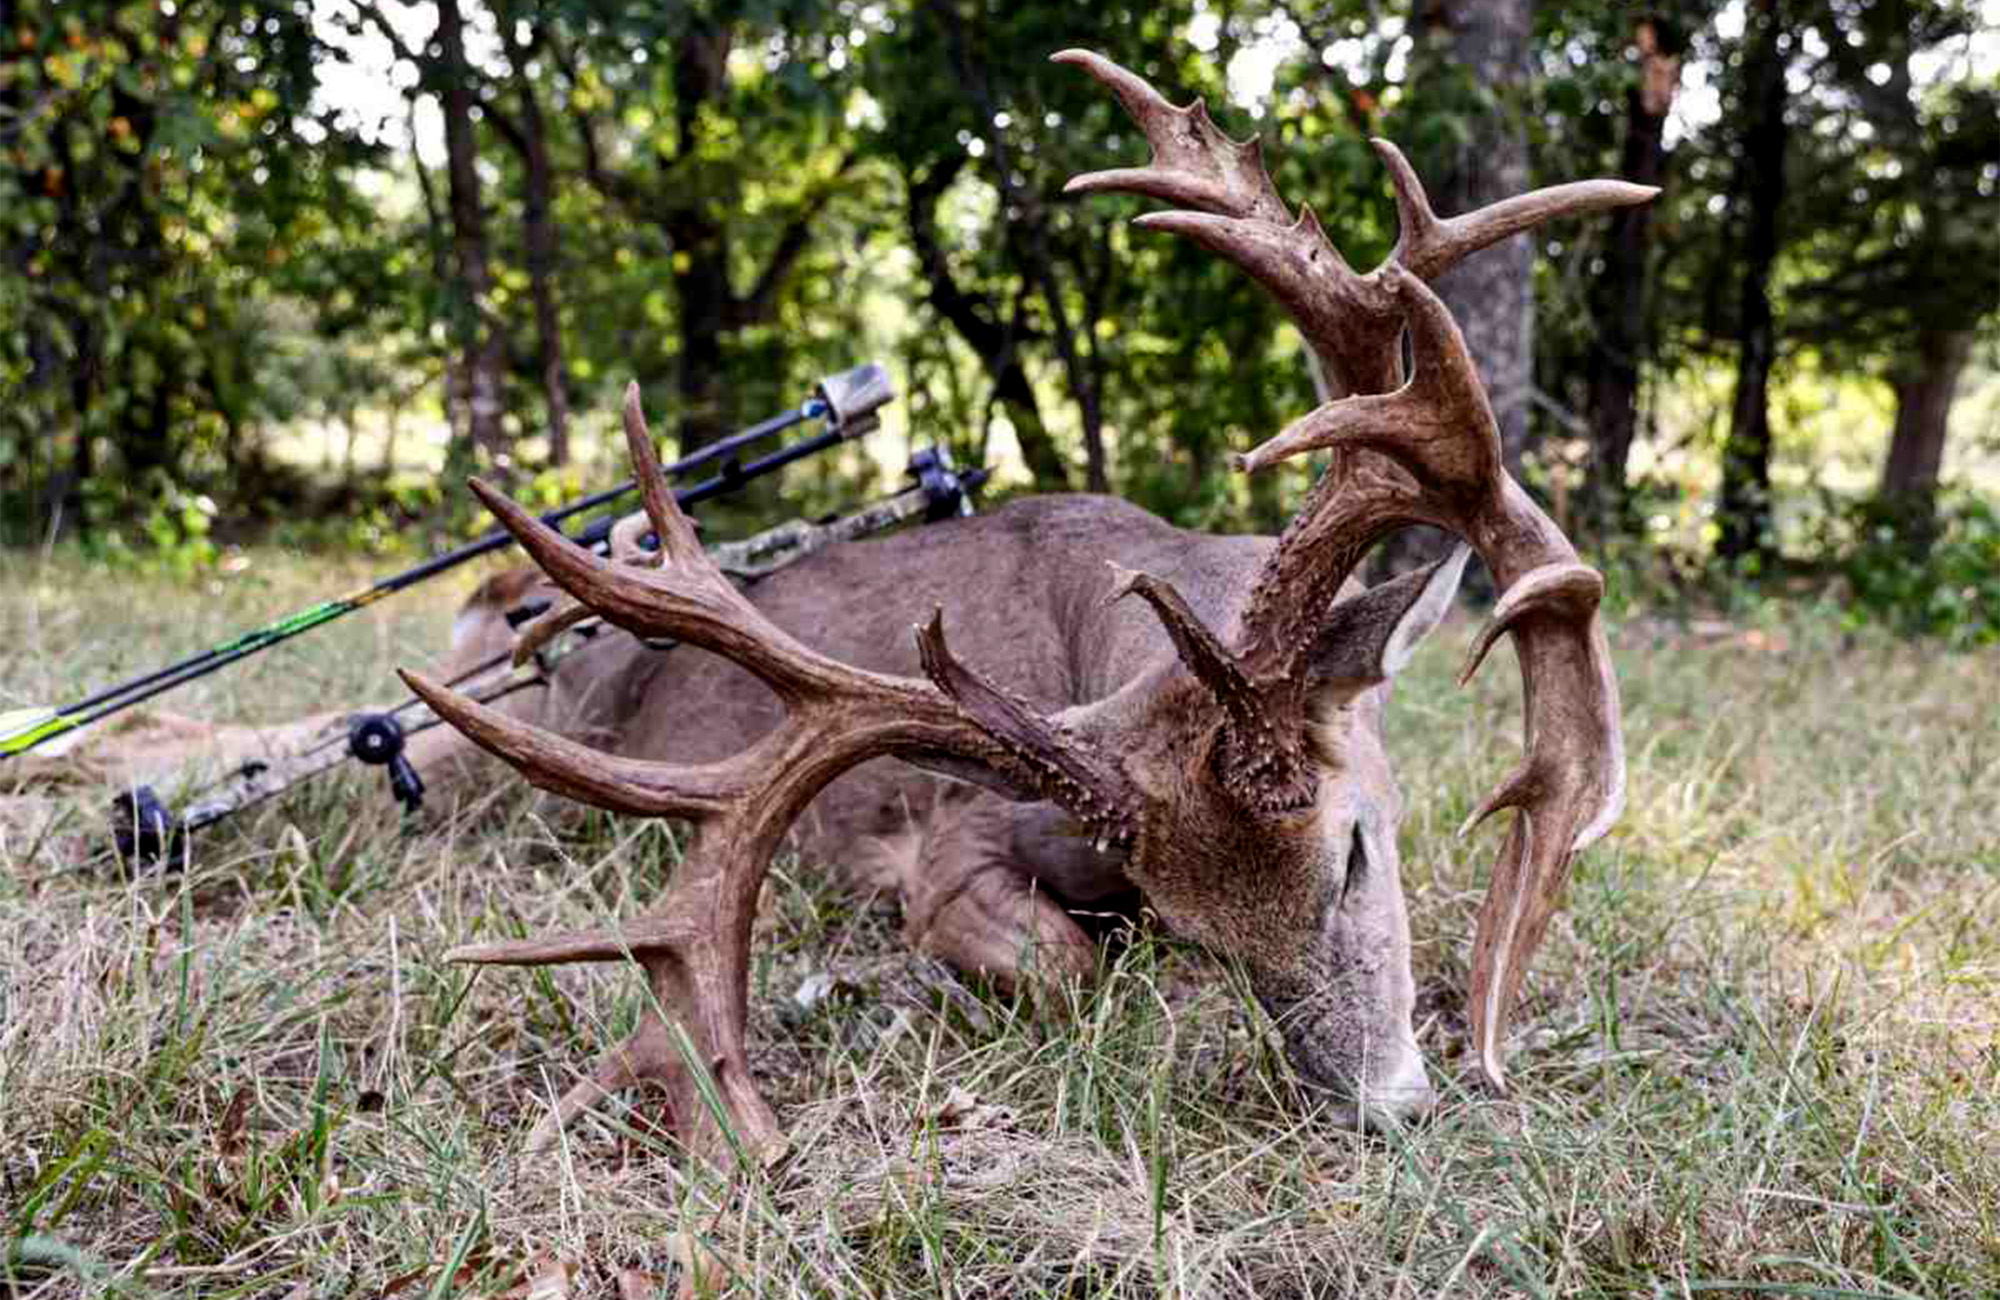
(1758,1055)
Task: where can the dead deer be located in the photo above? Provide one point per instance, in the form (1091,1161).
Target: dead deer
(1214,740)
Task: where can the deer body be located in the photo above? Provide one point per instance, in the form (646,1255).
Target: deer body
(1215,741)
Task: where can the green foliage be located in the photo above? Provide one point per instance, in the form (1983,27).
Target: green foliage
(177,530)
(1897,184)
(217,284)
(1919,573)
(161,165)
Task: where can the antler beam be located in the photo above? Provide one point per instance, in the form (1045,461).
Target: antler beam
(1422,452)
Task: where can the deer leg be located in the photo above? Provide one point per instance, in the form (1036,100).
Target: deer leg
(969,901)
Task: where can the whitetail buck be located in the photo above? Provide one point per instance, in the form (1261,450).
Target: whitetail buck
(1215,741)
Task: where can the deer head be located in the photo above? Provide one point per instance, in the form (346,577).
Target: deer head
(1240,774)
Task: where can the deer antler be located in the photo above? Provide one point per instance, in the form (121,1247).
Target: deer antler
(1427,452)
(695,946)
(1229,205)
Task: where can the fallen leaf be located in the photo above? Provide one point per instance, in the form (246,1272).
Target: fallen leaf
(1765,642)
(703,1270)
(474,1265)
(229,1134)
(960,1109)
(820,986)
(550,1277)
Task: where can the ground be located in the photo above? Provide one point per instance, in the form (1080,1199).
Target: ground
(1758,1054)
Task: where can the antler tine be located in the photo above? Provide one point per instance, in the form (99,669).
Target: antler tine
(686,598)
(678,543)
(627,785)
(1430,245)
(1234,210)
(1567,791)
(567,611)
(1349,320)
(1260,754)
(1194,163)
(1031,751)
(1438,426)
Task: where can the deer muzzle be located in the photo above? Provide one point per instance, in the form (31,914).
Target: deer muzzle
(1373,1076)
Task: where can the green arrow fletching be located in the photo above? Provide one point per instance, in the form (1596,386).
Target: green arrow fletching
(23,728)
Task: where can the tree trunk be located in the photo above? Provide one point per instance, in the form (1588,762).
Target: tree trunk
(1745,509)
(484,358)
(67,500)
(1491,295)
(1091,283)
(1038,449)
(1082,384)
(1619,298)
(1924,385)
(701,244)
(540,238)
(701,284)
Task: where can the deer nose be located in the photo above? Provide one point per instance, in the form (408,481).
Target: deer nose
(1402,1096)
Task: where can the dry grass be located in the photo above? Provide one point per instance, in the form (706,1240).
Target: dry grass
(1759,1054)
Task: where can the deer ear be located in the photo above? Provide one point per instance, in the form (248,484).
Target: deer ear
(1368,638)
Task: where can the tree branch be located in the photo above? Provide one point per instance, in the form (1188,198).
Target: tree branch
(756,307)
(969,313)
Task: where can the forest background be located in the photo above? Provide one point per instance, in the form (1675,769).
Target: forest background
(285,271)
